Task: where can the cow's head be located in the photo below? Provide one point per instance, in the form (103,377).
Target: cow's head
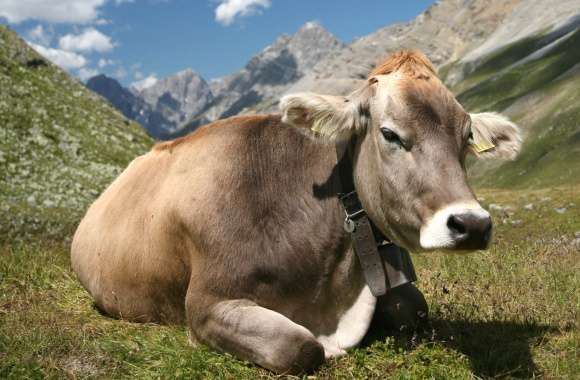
(412,138)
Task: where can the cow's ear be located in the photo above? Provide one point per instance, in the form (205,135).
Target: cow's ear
(494,135)
(329,116)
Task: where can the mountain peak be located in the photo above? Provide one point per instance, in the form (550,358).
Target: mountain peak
(186,72)
(310,25)
(100,82)
(313,29)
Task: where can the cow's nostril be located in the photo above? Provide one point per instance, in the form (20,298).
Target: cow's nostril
(456,225)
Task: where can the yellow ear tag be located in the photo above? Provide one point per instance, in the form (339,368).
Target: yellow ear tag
(483,147)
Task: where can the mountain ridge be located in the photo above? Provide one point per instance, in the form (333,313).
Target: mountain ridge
(165,107)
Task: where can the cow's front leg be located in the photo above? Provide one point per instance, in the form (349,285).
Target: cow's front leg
(403,307)
(256,334)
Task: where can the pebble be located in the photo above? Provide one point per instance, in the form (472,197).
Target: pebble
(529,206)
(561,210)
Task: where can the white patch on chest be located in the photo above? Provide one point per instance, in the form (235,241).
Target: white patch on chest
(352,326)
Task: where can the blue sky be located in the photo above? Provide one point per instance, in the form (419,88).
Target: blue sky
(139,40)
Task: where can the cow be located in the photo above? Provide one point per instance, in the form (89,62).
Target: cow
(236,229)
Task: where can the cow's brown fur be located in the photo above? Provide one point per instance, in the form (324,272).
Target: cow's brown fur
(412,62)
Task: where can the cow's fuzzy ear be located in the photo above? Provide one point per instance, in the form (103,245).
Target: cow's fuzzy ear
(494,135)
(333,117)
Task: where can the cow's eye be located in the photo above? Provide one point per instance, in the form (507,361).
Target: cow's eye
(392,137)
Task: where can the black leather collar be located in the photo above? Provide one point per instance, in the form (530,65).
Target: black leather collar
(384,264)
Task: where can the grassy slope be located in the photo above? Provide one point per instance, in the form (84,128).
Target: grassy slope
(60,144)
(539,88)
(509,312)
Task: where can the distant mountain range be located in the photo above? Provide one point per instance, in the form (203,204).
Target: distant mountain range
(177,104)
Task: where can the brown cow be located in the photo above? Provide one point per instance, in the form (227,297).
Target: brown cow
(236,229)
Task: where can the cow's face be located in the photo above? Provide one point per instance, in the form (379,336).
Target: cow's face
(412,138)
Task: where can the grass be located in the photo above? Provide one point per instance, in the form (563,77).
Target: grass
(510,312)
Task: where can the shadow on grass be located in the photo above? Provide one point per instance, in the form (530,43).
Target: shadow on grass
(495,349)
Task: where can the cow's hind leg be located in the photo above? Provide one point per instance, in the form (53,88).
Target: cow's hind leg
(256,334)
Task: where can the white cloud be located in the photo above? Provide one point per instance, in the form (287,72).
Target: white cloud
(120,73)
(40,35)
(103,62)
(65,59)
(86,73)
(228,10)
(145,82)
(57,11)
(102,21)
(89,40)
(119,2)
(138,75)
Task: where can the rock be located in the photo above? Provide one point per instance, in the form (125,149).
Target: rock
(561,210)
(48,203)
(529,206)
(495,207)
(31,200)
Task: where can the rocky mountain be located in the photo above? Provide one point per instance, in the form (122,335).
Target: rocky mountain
(60,144)
(131,106)
(270,73)
(176,98)
(162,108)
(166,108)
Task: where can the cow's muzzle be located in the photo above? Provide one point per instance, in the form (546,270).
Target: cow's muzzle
(460,226)
(470,230)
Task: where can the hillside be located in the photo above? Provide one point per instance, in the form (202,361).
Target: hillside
(60,144)
(535,81)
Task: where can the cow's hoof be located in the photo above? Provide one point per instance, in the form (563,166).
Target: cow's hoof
(309,357)
(403,308)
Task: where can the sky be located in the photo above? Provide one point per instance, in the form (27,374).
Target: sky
(139,41)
